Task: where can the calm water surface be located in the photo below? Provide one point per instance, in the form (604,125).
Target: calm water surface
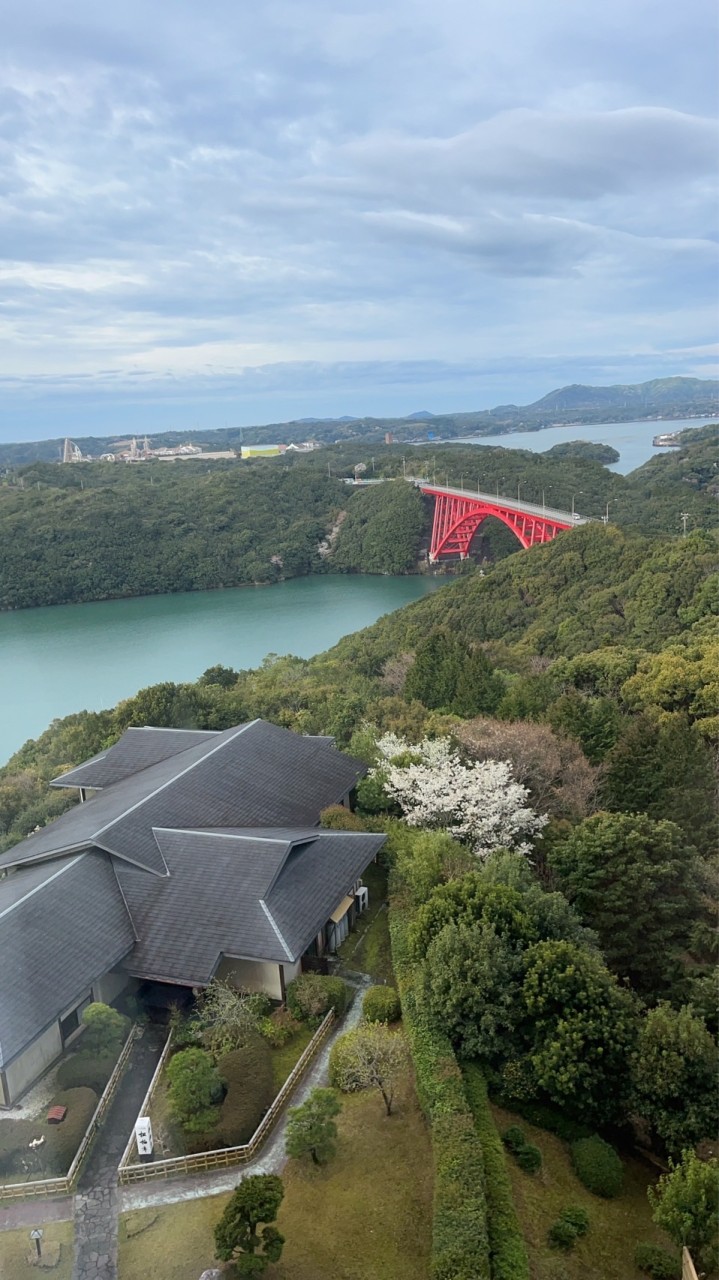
(87,656)
(632,440)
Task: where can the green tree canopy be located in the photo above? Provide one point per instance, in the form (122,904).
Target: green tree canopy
(583,1031)
(238,1237)
(311,1128)
(675,1076)
(684,1204)
(635,882)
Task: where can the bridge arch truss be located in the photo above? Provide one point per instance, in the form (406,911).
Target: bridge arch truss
(457,517)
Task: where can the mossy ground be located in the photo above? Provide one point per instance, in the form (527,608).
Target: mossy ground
(16,1245)
(616,1226)
(365,1216)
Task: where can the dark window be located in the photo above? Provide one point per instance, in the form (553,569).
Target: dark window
(69,1024)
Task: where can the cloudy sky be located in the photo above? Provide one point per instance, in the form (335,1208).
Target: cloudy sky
(225,213)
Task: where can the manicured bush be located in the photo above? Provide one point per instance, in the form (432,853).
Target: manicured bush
(310,996)
(514,1138)
(577,1217)
(195,1089)
(247,1073)
(279,1028)
(507,1251)
(529,1158)
(460,1244)
(63,1140)
(381,1004)
(561,1235)
(657,1262)
(105,1029)
(337,818)
(598,1166)
(84,1070)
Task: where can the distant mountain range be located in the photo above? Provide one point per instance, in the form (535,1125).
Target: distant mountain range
(665,398)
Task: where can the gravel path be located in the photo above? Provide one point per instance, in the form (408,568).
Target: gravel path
(146,1195)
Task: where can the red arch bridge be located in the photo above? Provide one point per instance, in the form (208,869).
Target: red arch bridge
(459,513)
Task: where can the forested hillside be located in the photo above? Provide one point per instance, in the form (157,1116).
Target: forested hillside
(540,743)
(98,531)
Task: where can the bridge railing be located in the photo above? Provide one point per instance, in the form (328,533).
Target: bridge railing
(498,500)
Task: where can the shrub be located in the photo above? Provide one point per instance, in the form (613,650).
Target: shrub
(195,1089)
(514,1138)
(529,1158)
(279,1028)
(84,1070)
(381,1004)
(507,1251)
(184,1027)
(561,1235)
(577,1217)
(460,1244)
(247,1073)
(598,1166)
(105,1029)
(64,1139)
(311,996)
(337,818)
(656,1262)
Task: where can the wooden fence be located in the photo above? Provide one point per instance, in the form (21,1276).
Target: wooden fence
(64,1186)
(225,1157)
(688,1268)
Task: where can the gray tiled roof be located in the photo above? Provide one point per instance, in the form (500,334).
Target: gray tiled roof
(314,879)
(211,903)
(62,926)
(254,775)
(137,749)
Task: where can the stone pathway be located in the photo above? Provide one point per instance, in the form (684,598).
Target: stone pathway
(96,1201)
(146,1195)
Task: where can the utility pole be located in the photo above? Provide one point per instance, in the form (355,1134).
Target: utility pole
(684,518)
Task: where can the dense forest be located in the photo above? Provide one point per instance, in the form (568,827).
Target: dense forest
(100,531)
(540,738)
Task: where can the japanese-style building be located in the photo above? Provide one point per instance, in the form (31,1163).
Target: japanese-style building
(192,855)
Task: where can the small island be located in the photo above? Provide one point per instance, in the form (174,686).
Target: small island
(587,450)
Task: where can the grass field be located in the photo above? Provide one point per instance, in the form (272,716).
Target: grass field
(16,1245)
(365,1216)
(616,1226)
(367,949)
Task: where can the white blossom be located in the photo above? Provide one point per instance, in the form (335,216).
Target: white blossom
(478,802)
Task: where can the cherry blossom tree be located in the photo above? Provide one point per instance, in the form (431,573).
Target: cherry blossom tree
(478,801)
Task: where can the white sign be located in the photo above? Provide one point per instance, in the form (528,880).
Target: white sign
(36,1234)
(143,1136)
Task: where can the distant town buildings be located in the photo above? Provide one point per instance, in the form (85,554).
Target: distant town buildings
(134,451)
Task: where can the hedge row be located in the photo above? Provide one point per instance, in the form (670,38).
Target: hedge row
(460,1244)
(508,1255)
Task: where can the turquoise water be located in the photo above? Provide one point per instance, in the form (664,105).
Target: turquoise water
(632,440)
(88,656)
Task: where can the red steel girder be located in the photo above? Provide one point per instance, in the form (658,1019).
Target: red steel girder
(457,518)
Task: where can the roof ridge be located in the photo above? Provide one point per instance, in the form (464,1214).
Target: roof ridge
(276,928)
(218,833)
(43,884)
(176,777)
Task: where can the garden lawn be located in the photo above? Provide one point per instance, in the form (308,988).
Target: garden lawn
(616,1226)
(16,1245)
(365,1216)
(367,949)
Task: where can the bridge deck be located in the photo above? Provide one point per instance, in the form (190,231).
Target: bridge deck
(511,504)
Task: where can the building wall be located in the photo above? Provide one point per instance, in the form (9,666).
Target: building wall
(253,975)
(36,1058)
(108,988)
